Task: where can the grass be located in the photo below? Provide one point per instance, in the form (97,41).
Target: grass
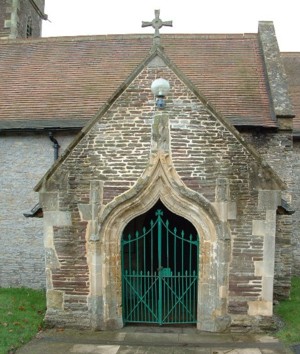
(289,312)
(21,316)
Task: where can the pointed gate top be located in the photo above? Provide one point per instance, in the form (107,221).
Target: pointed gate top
(157,23)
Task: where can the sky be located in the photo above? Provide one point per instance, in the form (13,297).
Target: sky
(92,17)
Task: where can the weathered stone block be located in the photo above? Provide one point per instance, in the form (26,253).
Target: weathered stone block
(269,200)
(258,228)
(51,260)
(260,308)
(232,211)
(54,299)
(49,201)
(85,211)
(57,218)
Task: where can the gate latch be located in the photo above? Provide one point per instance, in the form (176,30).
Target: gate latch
(165,272)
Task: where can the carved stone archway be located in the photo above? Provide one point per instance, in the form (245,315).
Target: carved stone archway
(160,181)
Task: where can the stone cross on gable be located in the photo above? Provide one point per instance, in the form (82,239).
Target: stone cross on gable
(157,23)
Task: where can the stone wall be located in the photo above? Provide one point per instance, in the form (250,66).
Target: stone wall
(296,205)
(283,256)
(15,15)
(4,16)
(277,149)
(24,160)
(209,157)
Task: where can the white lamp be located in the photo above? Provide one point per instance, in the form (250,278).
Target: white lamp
(160,88)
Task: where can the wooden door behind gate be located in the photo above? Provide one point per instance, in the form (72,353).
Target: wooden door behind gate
(159,274)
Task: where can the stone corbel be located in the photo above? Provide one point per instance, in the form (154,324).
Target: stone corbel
(225,208)
(160,140)
(91,212)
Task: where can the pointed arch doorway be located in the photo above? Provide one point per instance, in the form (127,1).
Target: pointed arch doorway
(160,255)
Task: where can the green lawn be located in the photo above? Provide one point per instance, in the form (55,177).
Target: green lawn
(21,316)
(289,312)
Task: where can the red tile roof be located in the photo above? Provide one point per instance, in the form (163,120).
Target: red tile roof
(67,79)
(291,63)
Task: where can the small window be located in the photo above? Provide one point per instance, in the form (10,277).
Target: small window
(29,27)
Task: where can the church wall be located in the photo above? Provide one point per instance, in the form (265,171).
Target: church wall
(296,205)
(4,18)
(26,11)
(14,17)
(276,148)
(209,159)
(24,160)
(283,257)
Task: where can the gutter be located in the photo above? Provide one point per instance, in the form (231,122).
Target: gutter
(37,210)
(56,146)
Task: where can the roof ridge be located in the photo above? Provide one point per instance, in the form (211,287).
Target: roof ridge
(124,36)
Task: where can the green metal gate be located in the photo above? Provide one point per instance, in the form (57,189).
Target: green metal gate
(159,275)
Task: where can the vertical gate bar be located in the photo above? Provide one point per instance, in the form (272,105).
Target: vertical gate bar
(137,251)
(151,246)
(149,297)
(153,293)
(167,236)
(190,256)
(142,311)
(124,290)
(137,287)
(176,289)
(144,280)
(138,298)
(156,295)
(123,277)
(186,297)
(167,299)
(132,297)
(127,299)
(197,275)
(130,275)
(182,251)
(146,295)
(175,253)
(195,295)
(169,296)
(172,296)
(182,274)
(190,278)
(182,312)
(129,256)
(159,267)
(144,272)
(159,238)
(144,250)
(177,303)
(135,295)
(164,299)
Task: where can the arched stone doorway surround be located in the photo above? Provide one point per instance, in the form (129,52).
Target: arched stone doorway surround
(160,182)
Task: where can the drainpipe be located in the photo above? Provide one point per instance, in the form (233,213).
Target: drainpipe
(55,145)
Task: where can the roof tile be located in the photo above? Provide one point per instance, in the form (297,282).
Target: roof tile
(70,78)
